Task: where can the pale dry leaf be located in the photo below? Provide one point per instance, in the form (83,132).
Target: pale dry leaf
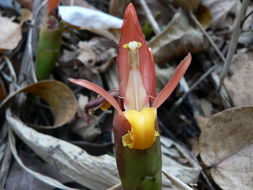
(10,34)
(92,20)
(240,84)
(226,145)
(177,39)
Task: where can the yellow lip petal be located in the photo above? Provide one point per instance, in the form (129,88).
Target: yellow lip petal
(142,134)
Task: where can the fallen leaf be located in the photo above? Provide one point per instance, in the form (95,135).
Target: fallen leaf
(220,9)
(226,145)
(22,180)
(177,39)
(58,96)
(92,20)
(187,5)
(204,16)
(240,84)
(10,34)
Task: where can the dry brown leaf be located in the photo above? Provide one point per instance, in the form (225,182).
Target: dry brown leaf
(177,39)
(226,145)
(204,16)
(240,84)
(220,9)
(187,5)
(59,97)
(10,34)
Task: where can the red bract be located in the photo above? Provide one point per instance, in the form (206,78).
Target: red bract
(131,31)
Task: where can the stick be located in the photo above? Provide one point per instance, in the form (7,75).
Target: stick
(115,187)
(177,181)
(234,41)
(208,37)
(150,17)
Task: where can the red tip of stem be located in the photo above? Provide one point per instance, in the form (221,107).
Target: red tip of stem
(52,4)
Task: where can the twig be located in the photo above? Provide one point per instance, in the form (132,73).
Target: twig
(13,85)
(207,36)
(210,185)
(115,187)
(234,41)
(150,17)
(177,181)
(245,18)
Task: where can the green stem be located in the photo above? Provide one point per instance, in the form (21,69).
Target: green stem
(138,169)
(48,50)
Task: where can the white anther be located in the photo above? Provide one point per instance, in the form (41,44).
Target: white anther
(133,45)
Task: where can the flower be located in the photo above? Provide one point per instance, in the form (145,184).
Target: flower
(135,122)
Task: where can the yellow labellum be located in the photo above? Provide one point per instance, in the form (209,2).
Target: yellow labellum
(142,134)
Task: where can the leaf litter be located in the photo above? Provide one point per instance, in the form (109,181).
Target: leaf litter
(49,123)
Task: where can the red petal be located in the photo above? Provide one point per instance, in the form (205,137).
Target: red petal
(131,31)
(171,85)
(52,4)
(93,87)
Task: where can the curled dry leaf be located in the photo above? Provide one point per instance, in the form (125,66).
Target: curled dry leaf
(58,96)
(220,9)
(92,20)
(177,39)
(240,84)
(226,145)
(10,34)
(204,16)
